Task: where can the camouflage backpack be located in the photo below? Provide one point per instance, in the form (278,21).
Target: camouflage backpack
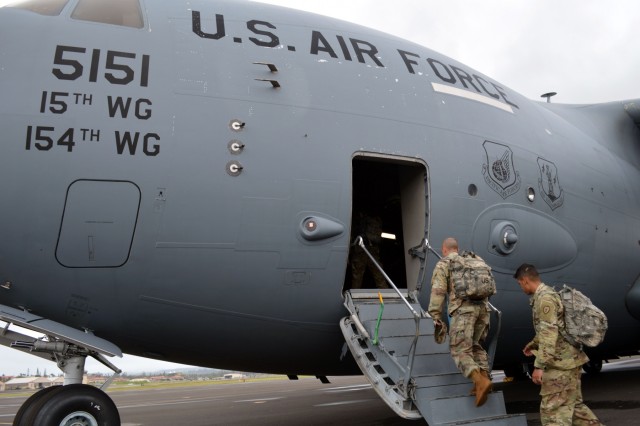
(584,323)
(471,277)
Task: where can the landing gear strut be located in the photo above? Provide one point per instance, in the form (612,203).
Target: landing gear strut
(73,404)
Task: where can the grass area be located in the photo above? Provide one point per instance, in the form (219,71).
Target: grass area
(119,386)
(137,385)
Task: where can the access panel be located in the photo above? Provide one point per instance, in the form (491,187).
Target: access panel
(98,224)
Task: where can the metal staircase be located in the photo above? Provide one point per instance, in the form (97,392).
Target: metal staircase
(395,349)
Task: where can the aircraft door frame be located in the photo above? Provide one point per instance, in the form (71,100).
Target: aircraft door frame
(396,189)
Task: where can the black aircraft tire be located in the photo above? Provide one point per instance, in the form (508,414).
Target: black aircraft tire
(73,405)
(29,403)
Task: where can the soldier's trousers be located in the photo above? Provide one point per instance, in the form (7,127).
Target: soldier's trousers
(562,403)
(468,329)
(360,262)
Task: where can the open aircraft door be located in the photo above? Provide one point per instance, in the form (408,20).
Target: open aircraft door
(392,193)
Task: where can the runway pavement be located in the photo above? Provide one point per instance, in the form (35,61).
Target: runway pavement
(614,395)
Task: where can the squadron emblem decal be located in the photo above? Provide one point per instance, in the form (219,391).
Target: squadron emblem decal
(499,171)
(549,184)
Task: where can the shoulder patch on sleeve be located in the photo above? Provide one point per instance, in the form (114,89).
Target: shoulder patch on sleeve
(547,310)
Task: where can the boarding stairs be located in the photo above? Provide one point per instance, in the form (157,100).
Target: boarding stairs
(392,340)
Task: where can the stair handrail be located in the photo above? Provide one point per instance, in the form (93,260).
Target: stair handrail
(360,242)
(493,346)
(416,317)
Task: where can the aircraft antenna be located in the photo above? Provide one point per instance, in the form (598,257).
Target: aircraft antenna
(548,96)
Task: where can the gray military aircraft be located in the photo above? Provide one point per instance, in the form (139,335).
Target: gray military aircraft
(183,180)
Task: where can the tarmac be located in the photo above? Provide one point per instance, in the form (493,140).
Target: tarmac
(613,394)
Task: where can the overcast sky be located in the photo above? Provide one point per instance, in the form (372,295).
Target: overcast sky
(583,49)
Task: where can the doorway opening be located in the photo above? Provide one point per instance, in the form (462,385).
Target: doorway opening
(390,211)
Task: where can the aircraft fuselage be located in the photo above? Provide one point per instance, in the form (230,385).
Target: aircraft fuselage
(157,182)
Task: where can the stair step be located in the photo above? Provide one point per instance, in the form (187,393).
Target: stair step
(364,295)
(443,391)
(401,345)
(391,311)
(399,327)
(463,408)
(506,420)
(453,378)
(428,364)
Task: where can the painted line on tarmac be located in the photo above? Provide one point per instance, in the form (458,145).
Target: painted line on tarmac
(260,400)
(356,401)
(153,404)
(342,389)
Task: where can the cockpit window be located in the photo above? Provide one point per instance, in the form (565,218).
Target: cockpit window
(42,7)
(116,12)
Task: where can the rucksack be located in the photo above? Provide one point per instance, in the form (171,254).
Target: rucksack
(584,323)
(471,277)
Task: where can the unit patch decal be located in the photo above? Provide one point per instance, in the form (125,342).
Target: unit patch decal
(549,184)
(499,171)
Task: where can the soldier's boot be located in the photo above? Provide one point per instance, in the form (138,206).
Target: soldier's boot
(485,373)
(473,389)
(482,386)
(472,392)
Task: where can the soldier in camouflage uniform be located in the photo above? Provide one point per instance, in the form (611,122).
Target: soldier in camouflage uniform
(469,324)
(558,363)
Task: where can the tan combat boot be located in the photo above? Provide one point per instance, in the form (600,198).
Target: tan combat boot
(482,386)
(485,374)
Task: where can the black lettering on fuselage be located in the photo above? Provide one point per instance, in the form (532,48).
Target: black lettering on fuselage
(196,26)
(464,76)
(361,48)
(119,105)
(504,95)
(371,51)
(145,147)
(444,73)
(409,62)
(125,140)
(480,81)
(449,79)
(273,39)
(345,49)
(320,44)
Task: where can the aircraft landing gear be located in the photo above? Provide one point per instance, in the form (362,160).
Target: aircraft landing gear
(73,404)
(26,406)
